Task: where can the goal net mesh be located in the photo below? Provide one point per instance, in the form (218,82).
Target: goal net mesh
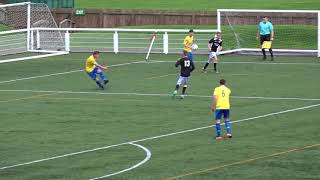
(293,31)
(14,37)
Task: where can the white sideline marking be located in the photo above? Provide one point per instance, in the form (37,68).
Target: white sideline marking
(147,158)
(62,73)
(155,137)
(144,94)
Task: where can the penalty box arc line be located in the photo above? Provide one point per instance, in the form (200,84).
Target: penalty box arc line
(155,137)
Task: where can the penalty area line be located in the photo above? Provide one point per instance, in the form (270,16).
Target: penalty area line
(155,137)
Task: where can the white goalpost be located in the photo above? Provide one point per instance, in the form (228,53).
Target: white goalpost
(19,41)
(28,31)
(297,32)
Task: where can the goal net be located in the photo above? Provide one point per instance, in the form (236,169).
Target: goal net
(296,32)
(19,38)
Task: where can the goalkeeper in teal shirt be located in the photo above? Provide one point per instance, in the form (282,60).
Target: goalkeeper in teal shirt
(265,33)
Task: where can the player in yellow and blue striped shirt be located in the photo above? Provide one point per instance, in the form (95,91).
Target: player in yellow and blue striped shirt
(93,68)
(221,106)
(187,45)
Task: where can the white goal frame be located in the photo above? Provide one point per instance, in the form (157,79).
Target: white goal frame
(29,40)
(220,11)
(165,49)
(219,24)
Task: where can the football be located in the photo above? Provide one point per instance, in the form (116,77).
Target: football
(194,46)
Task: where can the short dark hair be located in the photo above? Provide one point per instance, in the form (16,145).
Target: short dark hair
(96,52)
(222,81)
(266,17)
(191,31)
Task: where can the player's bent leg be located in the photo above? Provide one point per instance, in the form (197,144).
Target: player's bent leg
(184,91)
(93,76)
(207,64)
(179,82)
(175,92)
(102,76)
(215,64)
(99,84)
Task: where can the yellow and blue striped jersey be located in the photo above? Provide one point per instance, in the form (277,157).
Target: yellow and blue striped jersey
(187,41)
(223,94)
(90,64)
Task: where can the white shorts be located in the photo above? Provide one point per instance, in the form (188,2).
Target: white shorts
(211,56)
(182,81)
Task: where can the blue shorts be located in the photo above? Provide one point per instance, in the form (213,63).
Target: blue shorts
(190,55)
(93,73)
(224,112)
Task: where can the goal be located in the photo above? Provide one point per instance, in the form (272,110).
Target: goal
(28,31)
(297,32)
(19,40)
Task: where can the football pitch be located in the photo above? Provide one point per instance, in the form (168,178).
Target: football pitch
(56,124)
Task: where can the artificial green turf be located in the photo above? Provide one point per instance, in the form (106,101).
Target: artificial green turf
(60,123)
(3,27)
(198,5)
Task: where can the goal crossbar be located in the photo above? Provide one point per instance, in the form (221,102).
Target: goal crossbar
(316,12)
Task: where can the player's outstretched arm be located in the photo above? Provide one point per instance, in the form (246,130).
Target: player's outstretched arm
(102,67)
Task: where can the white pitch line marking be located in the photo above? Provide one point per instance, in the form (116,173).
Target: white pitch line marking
(160,76)
(155,137)
(241,62)
(147,158)
(63,73)
(153,61)
(152,94)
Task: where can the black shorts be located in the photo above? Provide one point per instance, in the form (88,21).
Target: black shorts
(263,38)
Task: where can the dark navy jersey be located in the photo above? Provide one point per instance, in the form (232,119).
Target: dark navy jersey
(186,65)
(215,44)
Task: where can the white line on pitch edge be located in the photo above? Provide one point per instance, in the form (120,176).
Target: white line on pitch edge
(152,94)
(155,137)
